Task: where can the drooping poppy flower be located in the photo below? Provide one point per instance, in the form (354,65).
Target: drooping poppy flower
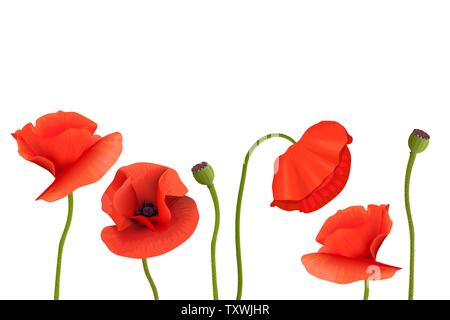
(64,143)
(351,239)
(152,213)
(313,171)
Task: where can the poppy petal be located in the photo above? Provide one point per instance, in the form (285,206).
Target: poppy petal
(145,177)
(326,250)
(354,232)
(286,205)
(327,191)
(350,243)
(44,163)
(315,169)
(29,137)
(88,169)
(62,150)
(330,188)
(344,270)
(148,222)
(67,147)
(124,205)
(349,218)
(54,124)
(380,221)
(139,242)
(169,185)
(26,152)
(376,244)
(381,225)
(108,196)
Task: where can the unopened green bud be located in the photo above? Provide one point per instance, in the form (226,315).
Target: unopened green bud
(418,141)
(203,173)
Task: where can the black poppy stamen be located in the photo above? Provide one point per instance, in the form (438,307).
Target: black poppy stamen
(148,210)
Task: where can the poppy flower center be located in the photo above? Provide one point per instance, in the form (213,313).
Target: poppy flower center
(148,210)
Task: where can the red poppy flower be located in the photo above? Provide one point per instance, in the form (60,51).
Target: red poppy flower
(351,239)
(152,213)
(64,143)
(313,171)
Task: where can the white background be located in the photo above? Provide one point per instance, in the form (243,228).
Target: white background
(187,81)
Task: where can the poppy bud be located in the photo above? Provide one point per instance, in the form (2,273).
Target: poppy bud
(203,173)
(418,141)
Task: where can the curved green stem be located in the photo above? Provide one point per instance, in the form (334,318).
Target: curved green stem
(215,199)
(239,204)
(150,279)
(61,246)
(366,290)
(409,169)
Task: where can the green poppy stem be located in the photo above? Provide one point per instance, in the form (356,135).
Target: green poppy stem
(203,173)
(418,142)
(409,169)
(61,246)
(239,204)
(150,279)
(366,290)
(215,199)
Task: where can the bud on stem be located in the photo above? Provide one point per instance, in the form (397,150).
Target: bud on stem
(418,141)
(204,173)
